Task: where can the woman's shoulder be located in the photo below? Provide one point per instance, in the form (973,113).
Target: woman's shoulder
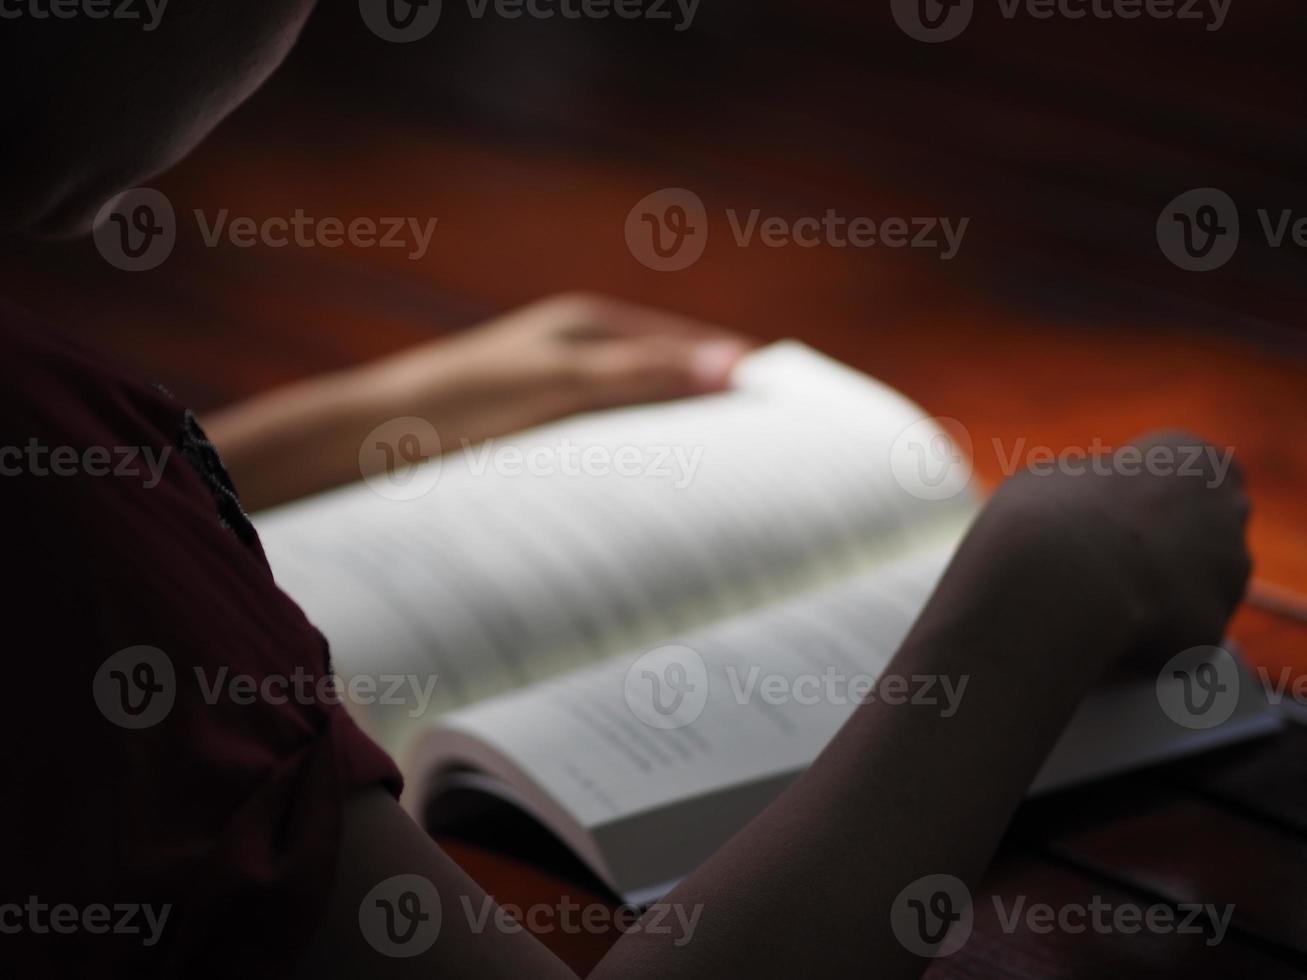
(157,673)
(60,399)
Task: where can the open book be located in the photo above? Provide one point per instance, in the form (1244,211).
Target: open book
(640,625)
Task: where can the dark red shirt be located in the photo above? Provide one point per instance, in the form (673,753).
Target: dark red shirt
(165,745)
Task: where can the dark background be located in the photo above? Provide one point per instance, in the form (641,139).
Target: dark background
(1060,321)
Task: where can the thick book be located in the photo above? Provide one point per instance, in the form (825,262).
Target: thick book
(639,625)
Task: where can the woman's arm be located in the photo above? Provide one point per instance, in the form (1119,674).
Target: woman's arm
(1059,578)
(552,359)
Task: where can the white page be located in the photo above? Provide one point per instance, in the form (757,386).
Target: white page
(497,578)
(589,741)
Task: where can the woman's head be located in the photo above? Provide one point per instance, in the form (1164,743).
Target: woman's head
(97,102)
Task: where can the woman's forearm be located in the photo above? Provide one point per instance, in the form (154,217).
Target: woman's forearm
(312,435)
(293,441)
(560,356)
(326,431)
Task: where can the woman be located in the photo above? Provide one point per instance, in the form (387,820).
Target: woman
(245,840)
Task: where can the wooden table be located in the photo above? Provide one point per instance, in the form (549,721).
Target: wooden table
(1059,321)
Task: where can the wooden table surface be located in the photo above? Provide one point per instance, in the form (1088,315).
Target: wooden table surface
(1059,321)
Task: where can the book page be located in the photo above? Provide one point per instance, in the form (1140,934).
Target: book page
(560,546)
(760,695)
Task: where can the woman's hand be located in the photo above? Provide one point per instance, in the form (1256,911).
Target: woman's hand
(1161,530)
(568,354)
(558,357)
